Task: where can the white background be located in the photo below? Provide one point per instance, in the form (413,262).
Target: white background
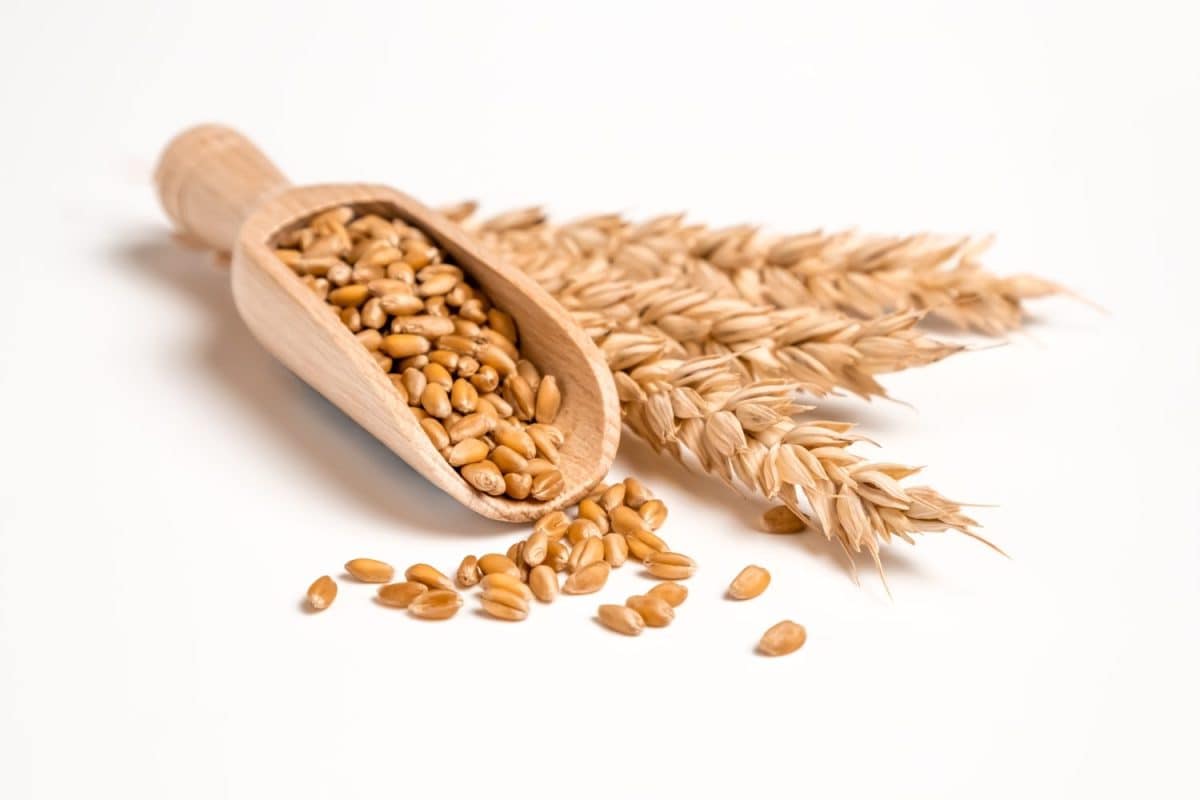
(168,491)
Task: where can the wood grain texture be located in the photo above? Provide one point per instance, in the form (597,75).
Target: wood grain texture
(211,177)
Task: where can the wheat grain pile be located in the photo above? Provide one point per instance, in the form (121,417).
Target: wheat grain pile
(721,340)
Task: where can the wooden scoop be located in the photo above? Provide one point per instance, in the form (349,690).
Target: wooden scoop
(220,190)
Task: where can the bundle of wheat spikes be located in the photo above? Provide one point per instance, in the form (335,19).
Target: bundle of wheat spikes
(714,336)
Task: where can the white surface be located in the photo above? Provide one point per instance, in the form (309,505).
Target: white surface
(168,491)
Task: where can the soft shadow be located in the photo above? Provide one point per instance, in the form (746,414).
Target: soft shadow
(344,458)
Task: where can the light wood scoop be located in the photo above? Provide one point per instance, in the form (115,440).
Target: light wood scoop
(220,190)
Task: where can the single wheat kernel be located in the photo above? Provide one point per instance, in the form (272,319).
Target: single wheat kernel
(639,549)
(520,396)
(505,604)
(534,552)
(749,583)
(402,345)
(445,358)
(398,385)
(781,519)
(529,372)
(597,492)
(782,638)
(517,485)
(581,529)
(400,305)
(373,315)
(553,524)
(414,384)
(468,572)
(501,406)
(636,494)
(670,566)
(616,551)
(536,466)
(463,396)
(557,554)
(654,611)
(431,577)
(543,582)
(426,326)
(368,570)
(369,339)
(613,496)
(588,579)
(436,433)
(468,451)
(504,343)
(621,619)
(485,379)
(586,551)
(472,426)
(484,476)
(322,593)
(436,373)
(549,399)
(516,553)
(494,562)
(544,442)
(591,510)
(649,539)
(503,580)
(548,485)
(348,296)
(625,520)
(516,439)
(502,323)
(435,401)
(508,460)
(673,593)
(497,359)
(653,513)
(436,604)
(401,595)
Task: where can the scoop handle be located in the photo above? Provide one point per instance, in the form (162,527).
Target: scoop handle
(209,179)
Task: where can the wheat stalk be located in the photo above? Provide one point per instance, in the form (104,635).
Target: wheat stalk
(625,278)
(703,373)
(863,275)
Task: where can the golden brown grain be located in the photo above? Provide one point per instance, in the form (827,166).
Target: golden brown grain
(591,510)
(484,476)
(781,519)
(401,595)
(504,604)
(436,604)
(534,551)
(653,513)
(654,611)
(587,579)
(557,553)
(553,524)
(616,550)
(621,619)
(321,593)
(547,485)
(428,575)
(670,591)
(749,583)
(494,562)
(613,496)
(468,572)
(635,493)
(549,399)
(625,520)
(586,551)
(503,580)
(670,566)
(581,529)
(783,638)
(543,582)
(368,570)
